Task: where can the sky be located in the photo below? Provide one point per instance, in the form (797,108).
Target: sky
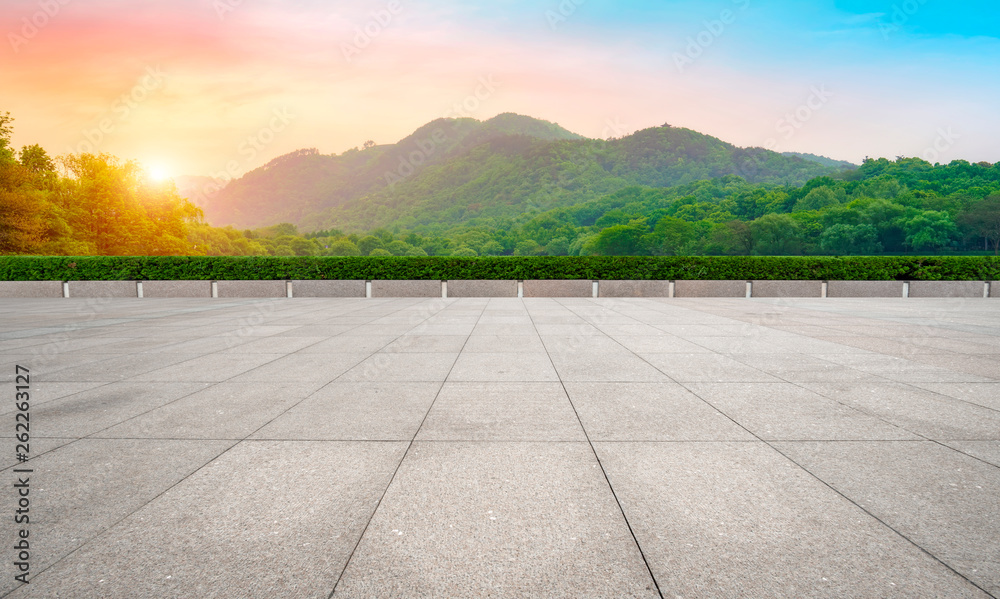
(220,87)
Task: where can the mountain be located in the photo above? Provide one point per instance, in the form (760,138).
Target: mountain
(460,170)
(830,162)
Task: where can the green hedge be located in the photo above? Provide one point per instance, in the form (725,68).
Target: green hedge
(119,268)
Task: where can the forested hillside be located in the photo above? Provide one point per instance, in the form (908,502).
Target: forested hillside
(902,206)
(84,204)
(453,171)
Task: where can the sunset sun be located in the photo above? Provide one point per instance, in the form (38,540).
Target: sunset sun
(158,172)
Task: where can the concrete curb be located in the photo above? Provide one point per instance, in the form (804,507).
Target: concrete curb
(482,288)
(502,288)
(946,288)
(176,289)
(127,289)
(634,289)
(30,289)
(252,289)
(558,288)
(328,288)
(787,289)
(685,288)
(406,288)
(865,289)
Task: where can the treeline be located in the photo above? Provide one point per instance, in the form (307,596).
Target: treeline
(86,205)
(883,207)
(98,205)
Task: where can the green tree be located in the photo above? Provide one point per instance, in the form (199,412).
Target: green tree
(620,240)
(983,220)
(776,235)
(37,161)
(845,240)
(465,252)
(492,248)
(379,252)
(930,231)
(343,247)
(817,199)
(368,243)
(558,246)
(670,235)
(399,248)
(528,247)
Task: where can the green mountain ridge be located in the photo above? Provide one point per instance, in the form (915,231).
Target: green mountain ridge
(831,162)
(462,170)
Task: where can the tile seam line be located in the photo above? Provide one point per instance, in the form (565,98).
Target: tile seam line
(597,457)
(770,444)
(823,482)
(111,526)
(170,345)
(399,464)
(881,521)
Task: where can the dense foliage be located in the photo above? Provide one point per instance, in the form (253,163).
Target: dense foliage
(532,200)
(89,204)
(462,171)
(55,268)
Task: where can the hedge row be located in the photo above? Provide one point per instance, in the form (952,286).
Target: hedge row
(118,268)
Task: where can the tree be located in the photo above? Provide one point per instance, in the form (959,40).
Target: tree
(369,144)
(303,247)
(845,240)
(731,238)
(379,252)
(6,130)
(398,248)
(37,161)
(368,243)
(22,213)
(930,231)
(558,246)
(103,206)
(464,252)
(620,240)
(343,247)
(817,199)
(528,247)
(776,235)
(669,236)
(983,220)
(492,248)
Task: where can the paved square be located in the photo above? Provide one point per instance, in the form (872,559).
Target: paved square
(577,448)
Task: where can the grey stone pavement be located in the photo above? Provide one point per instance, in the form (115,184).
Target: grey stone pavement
(570,448)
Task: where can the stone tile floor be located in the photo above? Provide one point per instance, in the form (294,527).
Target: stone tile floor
(574,448)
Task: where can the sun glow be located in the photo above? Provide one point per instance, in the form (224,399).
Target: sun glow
(157,172)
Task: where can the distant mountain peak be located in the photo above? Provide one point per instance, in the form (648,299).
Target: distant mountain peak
(452,170)
(519,124)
